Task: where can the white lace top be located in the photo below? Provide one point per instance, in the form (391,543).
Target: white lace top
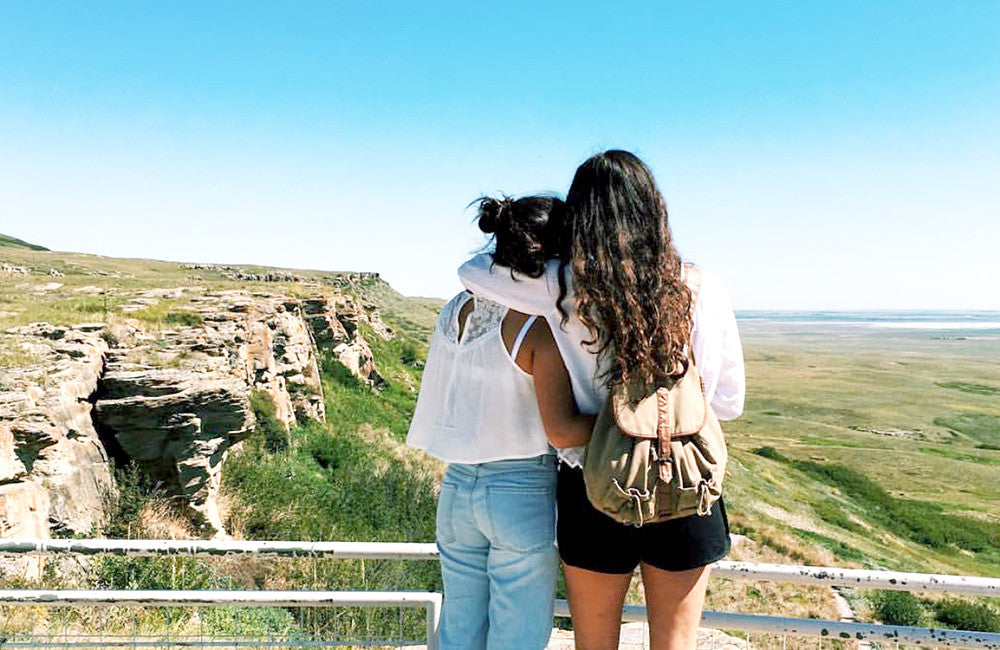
(475,404)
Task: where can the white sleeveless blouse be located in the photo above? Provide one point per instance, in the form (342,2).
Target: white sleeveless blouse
(475,404)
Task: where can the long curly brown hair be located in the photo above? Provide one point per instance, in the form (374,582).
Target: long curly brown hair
(627,272)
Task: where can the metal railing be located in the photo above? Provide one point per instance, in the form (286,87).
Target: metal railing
(809,575)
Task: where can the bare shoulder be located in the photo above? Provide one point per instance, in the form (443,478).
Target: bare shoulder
(541,335)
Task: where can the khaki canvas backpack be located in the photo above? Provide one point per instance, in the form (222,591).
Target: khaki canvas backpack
(658,456)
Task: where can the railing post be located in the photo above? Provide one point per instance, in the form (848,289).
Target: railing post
(433,621)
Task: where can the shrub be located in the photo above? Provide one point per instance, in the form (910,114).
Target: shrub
(967,615)
(268,427)
(125,572)
(770,452)
(135,489)
(249,621)
(833,513)
(897,607)
(186,318)
(408,355)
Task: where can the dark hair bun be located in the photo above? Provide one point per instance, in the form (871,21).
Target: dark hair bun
(490,212)
(525,232)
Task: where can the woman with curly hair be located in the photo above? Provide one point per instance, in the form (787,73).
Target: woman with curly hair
(622,306)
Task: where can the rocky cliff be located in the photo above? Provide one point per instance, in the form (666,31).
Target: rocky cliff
(166,383)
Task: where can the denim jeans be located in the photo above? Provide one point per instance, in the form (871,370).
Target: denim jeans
(496,534)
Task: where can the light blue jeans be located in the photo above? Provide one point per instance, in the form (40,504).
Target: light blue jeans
(496,534)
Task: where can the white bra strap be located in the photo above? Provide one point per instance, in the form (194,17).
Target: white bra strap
(520,337)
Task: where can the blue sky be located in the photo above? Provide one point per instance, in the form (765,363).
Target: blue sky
(814,154)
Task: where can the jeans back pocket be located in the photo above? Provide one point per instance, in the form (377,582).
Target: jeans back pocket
(522,518)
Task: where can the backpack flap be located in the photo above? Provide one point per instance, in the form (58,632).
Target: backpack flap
(638,420)
(689,411)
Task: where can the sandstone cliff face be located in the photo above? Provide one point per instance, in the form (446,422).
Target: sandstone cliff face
(54,471)
(174,399)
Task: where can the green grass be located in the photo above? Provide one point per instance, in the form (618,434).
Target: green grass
(905,412)
(981,427)
(834,513)
(827,442)
(963,457)
(14,242)
(14,356)
(789,408)
(838,548)
(268,428)
(965,387)
(870,402)
(348,479)
(184,318)
(920,521)
(963,614)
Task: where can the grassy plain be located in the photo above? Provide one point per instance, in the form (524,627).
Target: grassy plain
(869,448)
(912,411)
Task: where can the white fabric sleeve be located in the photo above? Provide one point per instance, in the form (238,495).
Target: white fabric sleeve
(525,294)
(718,354)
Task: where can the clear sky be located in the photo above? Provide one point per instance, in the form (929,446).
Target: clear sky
(841,154)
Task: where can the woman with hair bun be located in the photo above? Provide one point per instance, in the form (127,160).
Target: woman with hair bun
(494,399)
(622,306)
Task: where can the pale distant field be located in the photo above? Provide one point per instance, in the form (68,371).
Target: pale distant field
(915,411)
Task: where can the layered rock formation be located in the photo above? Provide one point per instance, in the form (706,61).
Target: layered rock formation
(54,470)
(174,397)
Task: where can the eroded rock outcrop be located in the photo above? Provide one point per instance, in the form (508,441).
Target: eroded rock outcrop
(172,395)
(179,425)
(177,400)
(334,323)
(54,471)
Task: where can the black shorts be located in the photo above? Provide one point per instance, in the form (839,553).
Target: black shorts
(589,539)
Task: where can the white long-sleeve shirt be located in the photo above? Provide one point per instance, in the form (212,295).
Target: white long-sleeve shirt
(715,339)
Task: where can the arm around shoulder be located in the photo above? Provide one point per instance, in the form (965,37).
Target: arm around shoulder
(520,292)
(564,425)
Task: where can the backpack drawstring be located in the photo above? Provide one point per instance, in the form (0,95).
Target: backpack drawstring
(637,495)
(704,499)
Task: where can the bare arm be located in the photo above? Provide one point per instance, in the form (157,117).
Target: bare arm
(563,423)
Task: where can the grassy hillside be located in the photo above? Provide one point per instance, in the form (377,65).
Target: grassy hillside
(13,242)
(348,479)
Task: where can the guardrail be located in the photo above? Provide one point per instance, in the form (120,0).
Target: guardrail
(827,576)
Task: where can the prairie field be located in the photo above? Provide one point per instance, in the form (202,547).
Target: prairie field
(881,446)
